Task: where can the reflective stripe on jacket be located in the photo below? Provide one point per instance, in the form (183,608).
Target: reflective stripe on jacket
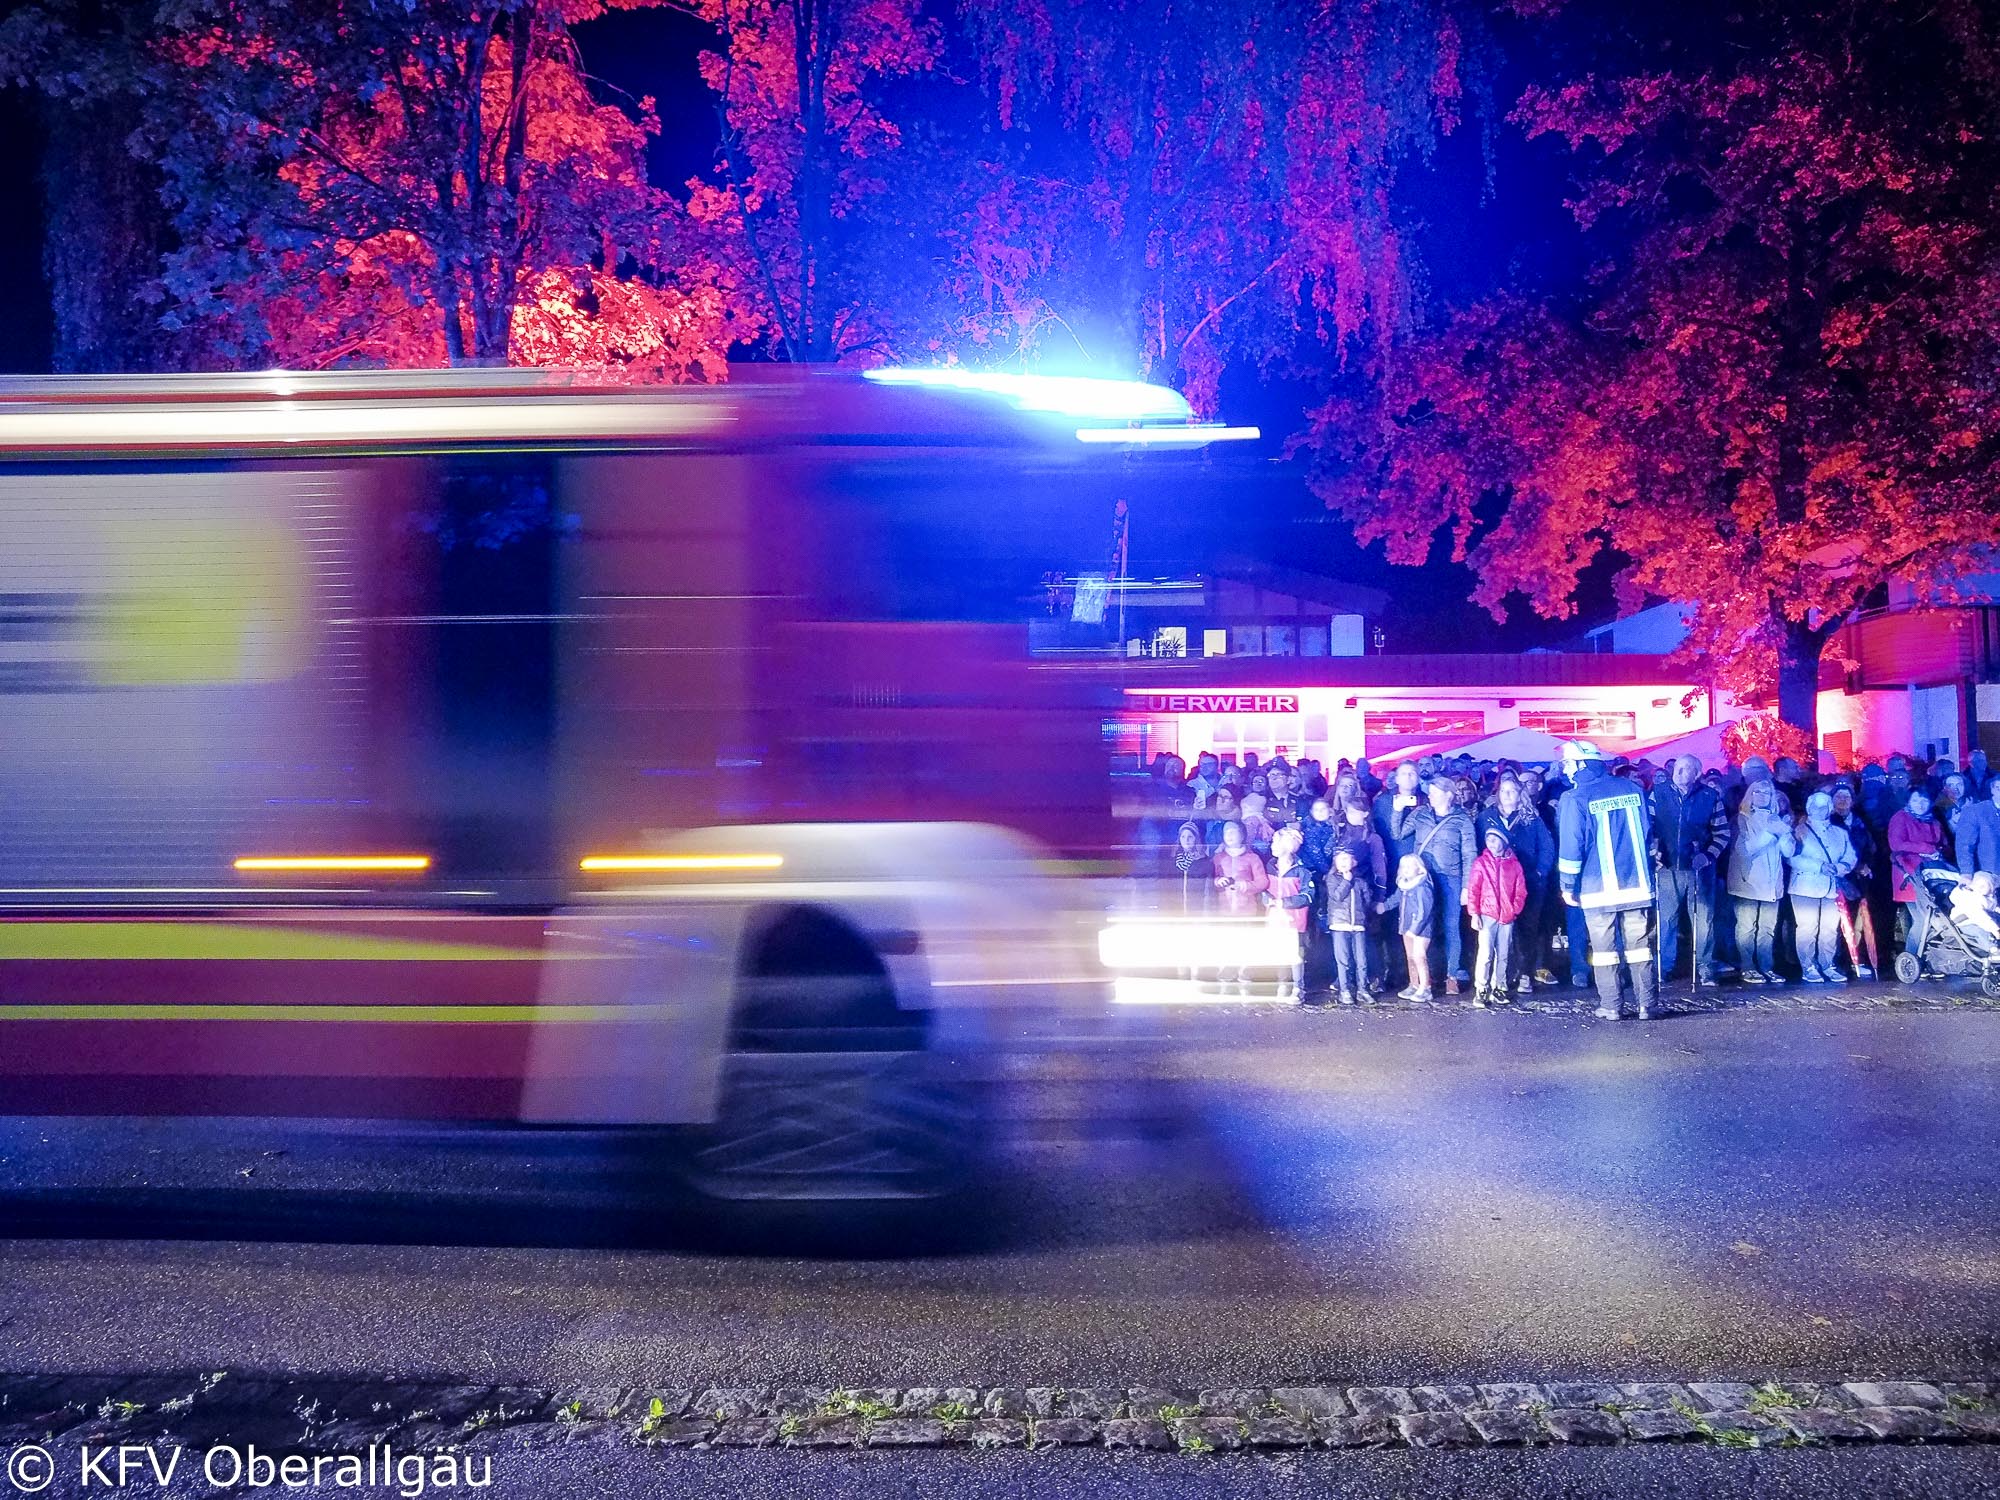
(1601,842)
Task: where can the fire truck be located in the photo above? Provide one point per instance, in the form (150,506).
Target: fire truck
(503,746)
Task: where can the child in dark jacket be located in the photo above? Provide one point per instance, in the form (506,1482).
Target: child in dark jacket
(1415,902)
(1291,896)
(1350,902)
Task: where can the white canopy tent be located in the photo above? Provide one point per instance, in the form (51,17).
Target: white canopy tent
(1530,746)
(1384,762)
(1705,744)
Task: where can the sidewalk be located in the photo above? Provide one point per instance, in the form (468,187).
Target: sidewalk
(1678,998)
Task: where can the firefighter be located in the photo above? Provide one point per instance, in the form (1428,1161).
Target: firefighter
(1603,868)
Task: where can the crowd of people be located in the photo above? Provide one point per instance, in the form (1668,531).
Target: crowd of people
(1484,877)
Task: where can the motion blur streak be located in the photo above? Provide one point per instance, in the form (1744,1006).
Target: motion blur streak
(381,424)
(614,863)
(586,757)
(1146,989)
(421,1015)
(1191,436)
(1081,396)
(370,862)
(1182,942)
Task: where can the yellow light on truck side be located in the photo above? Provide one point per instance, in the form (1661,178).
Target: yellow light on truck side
(633,864)
(368,863)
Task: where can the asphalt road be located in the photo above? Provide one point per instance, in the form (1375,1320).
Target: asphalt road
(1348,1198)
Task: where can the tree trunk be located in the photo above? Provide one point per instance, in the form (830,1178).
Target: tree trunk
(473,230)
(448,307)
(1799,647)
(105,232)
(511,237)
(1800,322)
(813,41)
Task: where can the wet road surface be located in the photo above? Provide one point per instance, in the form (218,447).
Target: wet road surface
(1347,1198)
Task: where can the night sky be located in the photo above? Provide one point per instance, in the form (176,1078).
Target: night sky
(1470,237)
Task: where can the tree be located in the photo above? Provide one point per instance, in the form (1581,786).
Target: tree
(805,144)
(389,181)
(1779,390)
(1161,188)
(99,195)
(1182,183)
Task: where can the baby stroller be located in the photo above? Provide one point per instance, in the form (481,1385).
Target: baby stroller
(1950,947)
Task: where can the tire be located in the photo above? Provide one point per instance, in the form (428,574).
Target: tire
(830,1092)
(835,1127)
(1989,984)
(1909,969)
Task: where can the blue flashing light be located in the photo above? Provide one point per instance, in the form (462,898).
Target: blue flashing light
(1083,398)
(1193,435)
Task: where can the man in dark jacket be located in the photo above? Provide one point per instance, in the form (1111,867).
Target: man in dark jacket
(1535,847)
(1396,810)
(1603,867)
(1443,837)
(1690,835)
(1979,834)
(1878,803)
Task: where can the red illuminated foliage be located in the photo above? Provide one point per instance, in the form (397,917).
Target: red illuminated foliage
(1768,735)
(1169,187)
(403,182)
(1780,390)
(806,148)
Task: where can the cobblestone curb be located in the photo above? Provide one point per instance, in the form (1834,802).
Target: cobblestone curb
(344,1415)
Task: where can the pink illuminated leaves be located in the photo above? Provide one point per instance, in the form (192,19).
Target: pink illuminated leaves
(1775,398)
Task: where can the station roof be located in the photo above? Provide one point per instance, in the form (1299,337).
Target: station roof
(1498,670)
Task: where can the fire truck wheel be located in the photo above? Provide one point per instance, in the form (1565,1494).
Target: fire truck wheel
(852,1127)
(830,1091)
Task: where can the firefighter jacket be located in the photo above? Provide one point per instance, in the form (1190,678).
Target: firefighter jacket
(1601,842)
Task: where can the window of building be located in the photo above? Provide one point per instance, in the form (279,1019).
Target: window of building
(1170,640)
(1129,739)
(1570,725)
(1419,721)
(1215,643)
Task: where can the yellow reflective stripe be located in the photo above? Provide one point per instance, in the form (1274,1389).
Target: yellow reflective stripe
(1602,959)
(246,940)
(1636,954)
(1570,866)
(435,1015)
